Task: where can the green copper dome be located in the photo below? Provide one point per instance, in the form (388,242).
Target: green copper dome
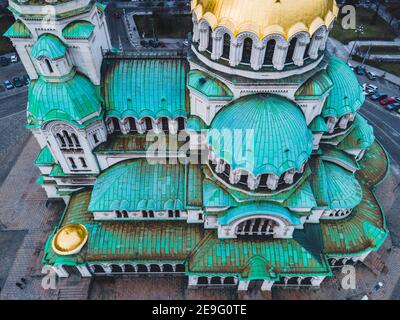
(48,46)
(317,86)
(74,101)
(346,95)
(78,30)
(207,86)
(261,133)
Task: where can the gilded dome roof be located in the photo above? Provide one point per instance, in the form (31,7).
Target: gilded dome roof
(69,239)
(265,17)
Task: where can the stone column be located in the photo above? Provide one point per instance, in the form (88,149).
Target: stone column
(234,176)
(298,54)
(141,126)
(124,125)
(267,285)
(316,43)
(157,126)
(272,181)
(243,285)
(220,168)
(173,126)
(253,182)
(324,40)
(257,56)
(235,53)
(316,281)
(289,176)
(192,281)
(204,34)
(218,46)
(279,57)
(331,124)
(344,121)
(84,271)
(196,32)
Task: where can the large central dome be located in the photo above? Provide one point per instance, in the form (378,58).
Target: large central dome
(261,134)
(264,17)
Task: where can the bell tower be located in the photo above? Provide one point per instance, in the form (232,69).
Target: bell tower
(73,32)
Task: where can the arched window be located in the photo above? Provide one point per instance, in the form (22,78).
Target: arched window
(83,162)
(48,64)
(132,126)
(115,268)
(227,46)
(229,280)
(181,123)
(256,227)
(61,140)
(97,268)
(125,214)
(164,124)
(202,280)
(216,280)
(75,140)
(247,48)
(292,46)
(269,52)
(155,268)
(115,122)
(141,268)
(118,214)
(129,268)
(149,123)
(179,268)
(293,281)
(68,138)
(72,162)
(168,268)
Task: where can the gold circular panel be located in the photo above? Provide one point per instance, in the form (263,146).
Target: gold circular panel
(69,239)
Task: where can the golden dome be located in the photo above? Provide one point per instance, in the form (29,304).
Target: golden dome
(265,17)
(69,239)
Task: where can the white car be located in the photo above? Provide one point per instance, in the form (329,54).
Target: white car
(14,58)
(369,89)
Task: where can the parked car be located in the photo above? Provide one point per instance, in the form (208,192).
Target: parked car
(26,79)
(393,106)
(144,43)
(14,58)
(17,82)
(377,96)
(161,44)
(370,75)
(153,43)
(389,100)
(369,89)
(4,61)
(360,70)
(8,84)
(350,66)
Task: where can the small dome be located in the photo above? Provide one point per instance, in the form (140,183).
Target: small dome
(207,86)
(346,95)
(49,46)
(69,239)
(282,140)
(265,17)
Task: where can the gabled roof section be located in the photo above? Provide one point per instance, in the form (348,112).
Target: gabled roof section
(78,30)
(45,158)
(73,101)
(49,46)
(18,30)
(259,208)
(360,137)
(148,86)
(302,198)
(334,187)
(140,185)
(215,196)
(315,87)
(207,86)
(318,125)
(340,157)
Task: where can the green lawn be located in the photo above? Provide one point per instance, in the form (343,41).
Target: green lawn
(165,25)
(378,31)
(5,44)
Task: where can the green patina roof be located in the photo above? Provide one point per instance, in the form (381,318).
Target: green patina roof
(316,86)
(150,86)
(318,125)
(57,171)
(347,95)
(18,30)
(271,135)
(303,197)
(45,158)
(260,208)
(78,30)
(360,137)
(208,86)
(101,7)
(49,46)
(278,257)
(195,123)
(140,185)
(116,241)
(215,196)
(336,155)
(72,101)
(333,186)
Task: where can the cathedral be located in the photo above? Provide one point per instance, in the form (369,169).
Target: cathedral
(241,162)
